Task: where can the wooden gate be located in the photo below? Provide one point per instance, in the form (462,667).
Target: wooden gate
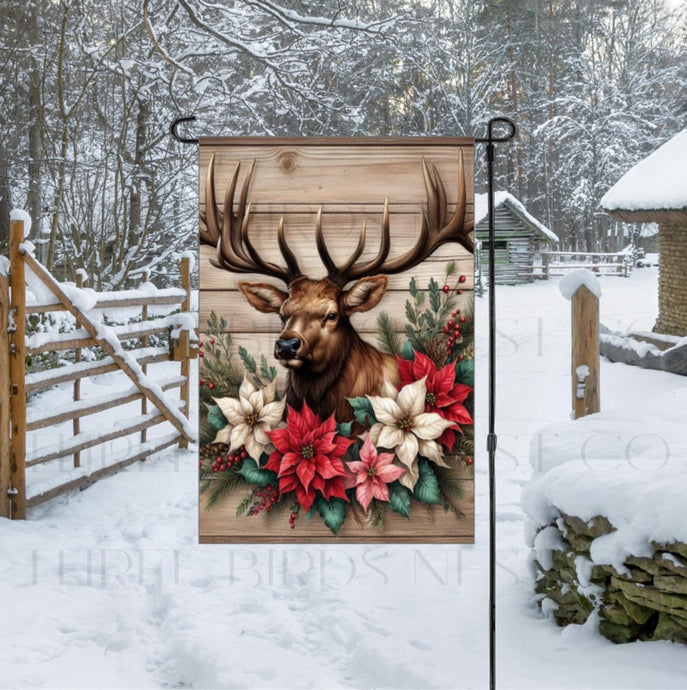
(16,421)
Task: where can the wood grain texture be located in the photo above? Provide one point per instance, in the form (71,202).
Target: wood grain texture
(430,524)
(4,396)
(293,173)
(214,278)
(585,351)
(349,180)
(242,318)
(17,381)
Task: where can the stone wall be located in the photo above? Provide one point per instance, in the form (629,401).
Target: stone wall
(646,600)
(672,279)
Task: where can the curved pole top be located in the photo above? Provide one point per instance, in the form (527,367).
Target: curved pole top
(173,129)
(495,122)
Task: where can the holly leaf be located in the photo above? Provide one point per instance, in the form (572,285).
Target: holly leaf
(333,512)
(256,475)
(427,487)
(344,429)
(399,499)
(215,417)
(362,408)
(465,372)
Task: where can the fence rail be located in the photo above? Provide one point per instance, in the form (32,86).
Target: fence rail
(16,420)
(559,263)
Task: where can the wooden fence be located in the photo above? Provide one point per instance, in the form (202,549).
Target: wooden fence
(559,263)
(15,384)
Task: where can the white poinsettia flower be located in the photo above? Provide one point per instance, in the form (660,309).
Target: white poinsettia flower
(404,427)
(250,417)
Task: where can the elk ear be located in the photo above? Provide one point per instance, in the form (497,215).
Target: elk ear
(263,296)
(365,294)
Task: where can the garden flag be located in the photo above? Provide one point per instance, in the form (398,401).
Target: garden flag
(336,315)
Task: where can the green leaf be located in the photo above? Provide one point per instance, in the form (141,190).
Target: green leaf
(435,300)
(362,408)
(399,499)
(255,475)
(344,429)
(451,269)
(412,287)
(427,487)
(407,351)
(333,511)
(248,361)
(465,372)
(420,299)
(215,417)
(410,312)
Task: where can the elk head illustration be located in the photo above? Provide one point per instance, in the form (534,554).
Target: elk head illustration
(327,359)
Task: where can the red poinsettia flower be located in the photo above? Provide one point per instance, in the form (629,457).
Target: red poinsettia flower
(444,395)
(308,456)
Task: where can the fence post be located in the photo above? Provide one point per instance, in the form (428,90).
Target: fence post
(17,508)
(585,352)
(545,260)
(4,396)
(144,367)
(76,424)
(184,344)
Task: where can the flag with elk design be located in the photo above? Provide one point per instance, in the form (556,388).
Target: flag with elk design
(336,377)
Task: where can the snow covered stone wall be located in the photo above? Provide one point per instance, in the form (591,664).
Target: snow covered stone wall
(672,286)
(607,521)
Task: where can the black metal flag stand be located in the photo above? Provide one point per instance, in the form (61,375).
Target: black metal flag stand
(490,140)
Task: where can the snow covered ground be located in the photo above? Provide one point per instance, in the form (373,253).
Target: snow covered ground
(107,588)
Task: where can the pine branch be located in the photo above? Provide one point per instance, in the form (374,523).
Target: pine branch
(386,335)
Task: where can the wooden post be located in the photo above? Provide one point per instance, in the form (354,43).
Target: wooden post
(545,260)
(144,343)
(17,508)
(184,344)
(585,352)
(4,396)
(76,424)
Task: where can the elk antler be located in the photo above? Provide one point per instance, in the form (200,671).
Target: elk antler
(229,233)
(435,230)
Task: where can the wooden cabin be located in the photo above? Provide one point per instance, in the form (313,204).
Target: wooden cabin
(520,238)
(654,191)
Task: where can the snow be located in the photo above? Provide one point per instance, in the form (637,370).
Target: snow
(574,280)
(24,217)
(109,588)
(656,183)
(482,211)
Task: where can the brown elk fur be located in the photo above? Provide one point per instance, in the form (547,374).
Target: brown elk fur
(333,362)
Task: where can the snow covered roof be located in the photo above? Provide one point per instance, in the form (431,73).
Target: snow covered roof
(507,199)
(655,189)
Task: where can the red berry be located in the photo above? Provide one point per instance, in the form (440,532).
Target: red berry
(244,454)
(469,461)
(457,312)
(200,353)
(446,288)
(462,319)
(201,382)
(450,323)
(460,292)
(293,524)
(445,329)
(212,342)
(460,358)
(462,279)
(293,516)
(215,469)
(456,333)
(211,386)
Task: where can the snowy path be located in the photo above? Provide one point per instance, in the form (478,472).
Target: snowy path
(107,588)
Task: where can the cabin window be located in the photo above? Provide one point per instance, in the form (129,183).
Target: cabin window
(499,244)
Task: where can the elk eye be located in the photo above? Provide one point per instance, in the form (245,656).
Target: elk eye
(331,316)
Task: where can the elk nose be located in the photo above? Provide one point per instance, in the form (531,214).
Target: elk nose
(287,348)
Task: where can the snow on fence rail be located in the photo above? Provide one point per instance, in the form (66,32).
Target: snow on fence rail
(560,263)
(87,308)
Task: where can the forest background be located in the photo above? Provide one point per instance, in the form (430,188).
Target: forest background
(89,88)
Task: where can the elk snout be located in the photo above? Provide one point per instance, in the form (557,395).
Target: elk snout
(287,348)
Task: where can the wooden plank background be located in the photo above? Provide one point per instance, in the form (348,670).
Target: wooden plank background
(349,180)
